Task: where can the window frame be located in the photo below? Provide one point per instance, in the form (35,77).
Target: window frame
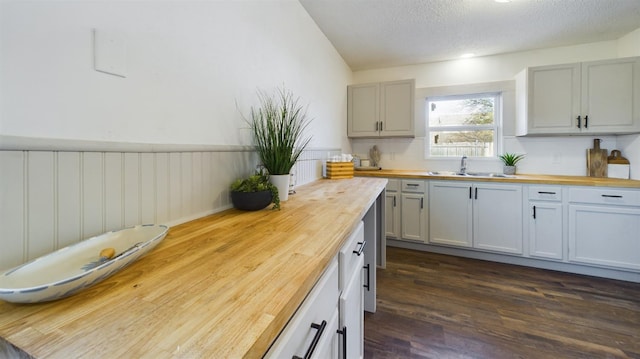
(496,127)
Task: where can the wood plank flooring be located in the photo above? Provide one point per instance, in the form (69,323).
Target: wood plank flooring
(438,306)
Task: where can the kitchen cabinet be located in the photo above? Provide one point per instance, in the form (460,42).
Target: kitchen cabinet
(546,239)
(313,330)
(604,227)
(598,97)
(414,212)
(383,109)
(392,209)
(479,215)
(351,260)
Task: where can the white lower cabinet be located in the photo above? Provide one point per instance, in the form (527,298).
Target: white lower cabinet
(313,330)
(351,259)
(413,212)
(546,214)
(450,213)
(478,215)
(604,227)
(352,315)
(392,209)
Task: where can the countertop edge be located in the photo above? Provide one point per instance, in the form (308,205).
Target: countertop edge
(518,178)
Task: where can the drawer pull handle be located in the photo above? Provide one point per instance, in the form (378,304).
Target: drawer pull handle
(316,338)
(361,249)
(611,196)
(412,184)
(368,277)
(545,192)
(343,332)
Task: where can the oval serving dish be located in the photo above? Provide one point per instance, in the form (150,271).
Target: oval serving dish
(70,269)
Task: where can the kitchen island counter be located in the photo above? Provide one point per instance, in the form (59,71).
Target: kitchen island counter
(518,178)
(222,286)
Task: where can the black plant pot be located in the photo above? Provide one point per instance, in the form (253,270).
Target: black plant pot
(251,201)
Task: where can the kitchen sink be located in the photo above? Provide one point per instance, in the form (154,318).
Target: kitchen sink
(469,174)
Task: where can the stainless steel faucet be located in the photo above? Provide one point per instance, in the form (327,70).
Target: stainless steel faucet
(463,165)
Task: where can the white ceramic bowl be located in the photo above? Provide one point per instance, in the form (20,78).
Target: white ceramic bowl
(70,269)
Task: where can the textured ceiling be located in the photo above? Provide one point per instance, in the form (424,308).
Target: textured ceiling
(382,33)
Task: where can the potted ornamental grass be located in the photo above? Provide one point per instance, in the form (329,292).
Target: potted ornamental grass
(254,193)
(277,129)
(510,160)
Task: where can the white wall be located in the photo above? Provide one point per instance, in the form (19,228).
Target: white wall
(545,155)
(187,65)
(83,152)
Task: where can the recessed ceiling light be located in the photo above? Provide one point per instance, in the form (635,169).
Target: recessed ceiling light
(502,1)
(467,55)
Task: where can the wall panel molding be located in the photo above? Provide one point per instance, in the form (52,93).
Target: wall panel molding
(50,199)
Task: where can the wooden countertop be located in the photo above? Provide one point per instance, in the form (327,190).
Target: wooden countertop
(518,178)
(222,286)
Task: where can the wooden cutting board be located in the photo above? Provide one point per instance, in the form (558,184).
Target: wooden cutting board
(596,160)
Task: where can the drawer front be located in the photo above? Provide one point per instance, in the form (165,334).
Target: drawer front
(413,186)
(393,185)
(545,193)
(620,197)
(351,251)
(320,305)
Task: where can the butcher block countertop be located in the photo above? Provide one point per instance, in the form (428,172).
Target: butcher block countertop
(518,178)
(222,286)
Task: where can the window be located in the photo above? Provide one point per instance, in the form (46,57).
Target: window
(463,125)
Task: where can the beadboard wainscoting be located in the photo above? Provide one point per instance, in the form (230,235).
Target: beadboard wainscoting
(50,199)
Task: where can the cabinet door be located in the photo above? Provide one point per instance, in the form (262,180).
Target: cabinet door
(611,95)
(545,229)
(306,324)
(554,99)
(413,217)
(392,215)
(605,235)
(450,213)
(497,217)
(352,315)
(329,345)
(397,108)
(363,110)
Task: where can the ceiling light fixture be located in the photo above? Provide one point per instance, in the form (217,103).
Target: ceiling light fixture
(467,55)
(502,1)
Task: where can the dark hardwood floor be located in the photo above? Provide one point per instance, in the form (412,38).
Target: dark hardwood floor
(438,306)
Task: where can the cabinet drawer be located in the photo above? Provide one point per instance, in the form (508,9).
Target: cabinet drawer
(413,186)
(545,193)
(618,197)
(320,305)
(393,185)
(349,255)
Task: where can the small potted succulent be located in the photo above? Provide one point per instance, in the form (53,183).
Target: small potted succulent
(254,193)
(510,160)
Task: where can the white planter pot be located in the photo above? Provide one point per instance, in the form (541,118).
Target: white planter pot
(282,182)
(509,170)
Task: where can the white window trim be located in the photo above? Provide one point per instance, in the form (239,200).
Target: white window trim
(502,87)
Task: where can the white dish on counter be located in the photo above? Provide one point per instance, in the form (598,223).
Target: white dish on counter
(70,269)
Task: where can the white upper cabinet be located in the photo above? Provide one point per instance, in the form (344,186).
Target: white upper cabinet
(589,98)
(383,109)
